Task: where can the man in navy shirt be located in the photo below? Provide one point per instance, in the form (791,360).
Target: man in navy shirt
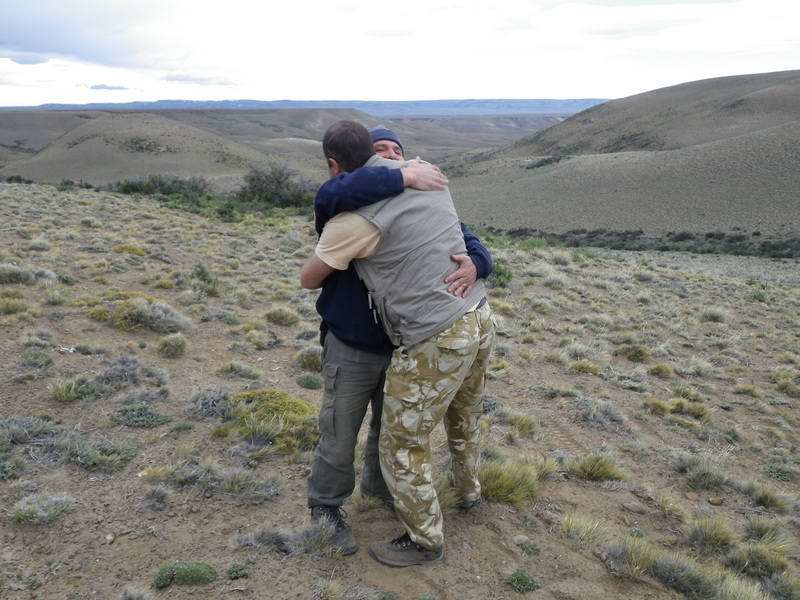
(356,349)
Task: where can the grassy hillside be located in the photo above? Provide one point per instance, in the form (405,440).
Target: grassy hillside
(707,166)
(696,163)
(640,432)
(101,147)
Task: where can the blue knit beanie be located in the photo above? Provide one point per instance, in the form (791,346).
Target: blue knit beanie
(379,132)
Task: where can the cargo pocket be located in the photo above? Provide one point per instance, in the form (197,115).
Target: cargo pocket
(326,412)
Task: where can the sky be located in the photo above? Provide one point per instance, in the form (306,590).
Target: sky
(85,51)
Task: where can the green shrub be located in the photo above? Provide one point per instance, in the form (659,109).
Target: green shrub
(522,581)
(276,186)
(309,381)
(192,194)
(142,416)
(184,573)
(237,571)
(286,421)
(501,276)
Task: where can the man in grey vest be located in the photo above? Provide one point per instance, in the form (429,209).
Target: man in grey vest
(402,247)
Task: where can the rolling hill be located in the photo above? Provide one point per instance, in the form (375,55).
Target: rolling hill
(705,166)
(714,158)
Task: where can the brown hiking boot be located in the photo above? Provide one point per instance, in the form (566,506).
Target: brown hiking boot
(470,504)
(403,552)
(343,541)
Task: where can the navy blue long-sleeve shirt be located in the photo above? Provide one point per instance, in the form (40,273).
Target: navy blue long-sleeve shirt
(343,302)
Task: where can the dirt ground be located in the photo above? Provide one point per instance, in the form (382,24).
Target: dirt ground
(111,540)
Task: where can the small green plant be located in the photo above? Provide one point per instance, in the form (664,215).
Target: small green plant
(309,381)
(501,276)
(238,571)
(203,274)
(530,548)
(184,573)
(522,581)
(779,472)
(142,416)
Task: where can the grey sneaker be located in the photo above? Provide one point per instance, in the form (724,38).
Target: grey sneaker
(403,552)
(343,541)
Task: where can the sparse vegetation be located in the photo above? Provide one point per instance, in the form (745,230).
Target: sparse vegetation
(691,377)
(522,581)
(41,508)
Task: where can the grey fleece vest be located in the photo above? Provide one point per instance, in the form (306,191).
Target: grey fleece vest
(405,275)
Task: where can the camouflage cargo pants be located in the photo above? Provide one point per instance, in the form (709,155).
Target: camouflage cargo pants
(438,379)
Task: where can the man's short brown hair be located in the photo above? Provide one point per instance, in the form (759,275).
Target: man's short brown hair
(349,144)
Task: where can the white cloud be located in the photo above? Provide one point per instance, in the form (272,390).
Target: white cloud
(100,51)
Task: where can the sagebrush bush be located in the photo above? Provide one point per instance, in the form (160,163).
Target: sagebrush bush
(14,274)
(184,573)
(130,314)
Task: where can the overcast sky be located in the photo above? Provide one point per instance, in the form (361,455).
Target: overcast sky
(80,51)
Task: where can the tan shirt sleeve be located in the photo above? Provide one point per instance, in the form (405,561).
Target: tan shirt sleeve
(345,237)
